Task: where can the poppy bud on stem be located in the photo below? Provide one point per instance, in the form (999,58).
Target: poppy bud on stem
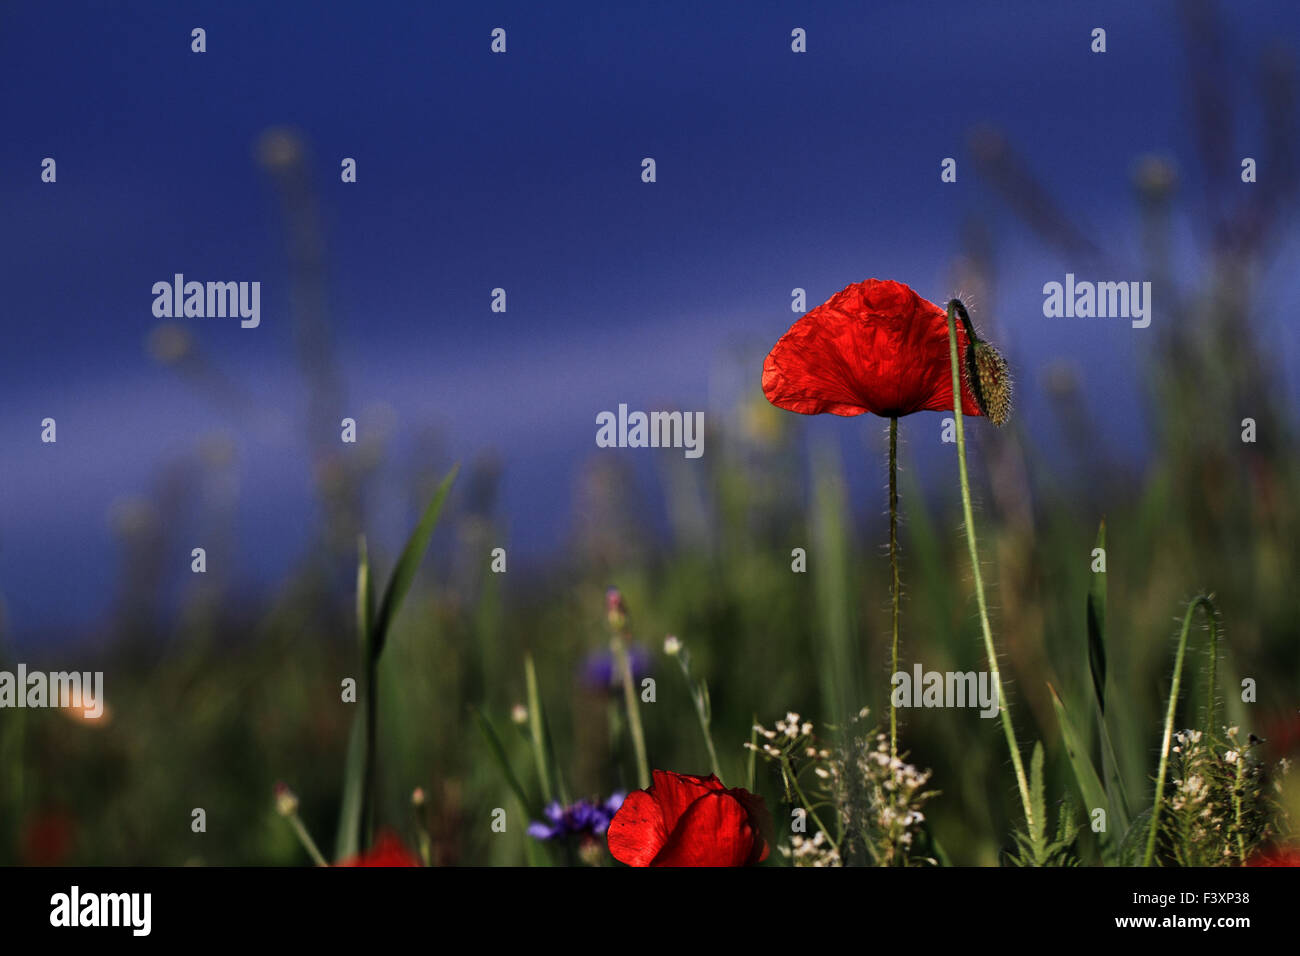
(955,308)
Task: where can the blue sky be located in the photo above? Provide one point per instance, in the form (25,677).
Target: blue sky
(775,170)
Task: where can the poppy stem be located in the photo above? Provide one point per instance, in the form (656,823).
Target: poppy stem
(893,567)
(954,307)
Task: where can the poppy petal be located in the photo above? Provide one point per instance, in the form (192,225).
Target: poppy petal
(760,820)
(714,831)
(387,851)
(674,792)
(637,832)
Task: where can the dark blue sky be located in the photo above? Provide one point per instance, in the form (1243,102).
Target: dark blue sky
(775,170)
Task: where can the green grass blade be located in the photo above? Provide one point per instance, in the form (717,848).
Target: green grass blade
(1097,626)
(498,749)
(1115,789)
(373,625)
(365,595)
(404,572)
(1096,608)
(543,752)
(348,834)
(347,840)
(1085,775)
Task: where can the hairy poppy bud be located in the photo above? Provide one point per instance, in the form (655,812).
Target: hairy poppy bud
(987,375)
(990,381)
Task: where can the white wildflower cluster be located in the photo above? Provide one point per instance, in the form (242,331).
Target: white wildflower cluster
(807,772)
(896,792)
(1200,818)
(811,851)
(1217,798)
(791,740)
(792,728)
(872,797)
(1183,738)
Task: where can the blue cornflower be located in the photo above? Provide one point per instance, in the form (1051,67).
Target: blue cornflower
(583,818)
(599,673)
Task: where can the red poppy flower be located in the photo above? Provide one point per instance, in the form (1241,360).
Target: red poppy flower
(387,851)
(685,820)
(875,347)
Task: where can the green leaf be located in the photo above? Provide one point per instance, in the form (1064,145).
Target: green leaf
(372,630)
(404,572)
(1085,775)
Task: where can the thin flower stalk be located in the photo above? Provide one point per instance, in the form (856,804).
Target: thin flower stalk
(700,700)
(990,651)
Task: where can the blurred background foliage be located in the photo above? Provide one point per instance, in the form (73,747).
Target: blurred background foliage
(212,701)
